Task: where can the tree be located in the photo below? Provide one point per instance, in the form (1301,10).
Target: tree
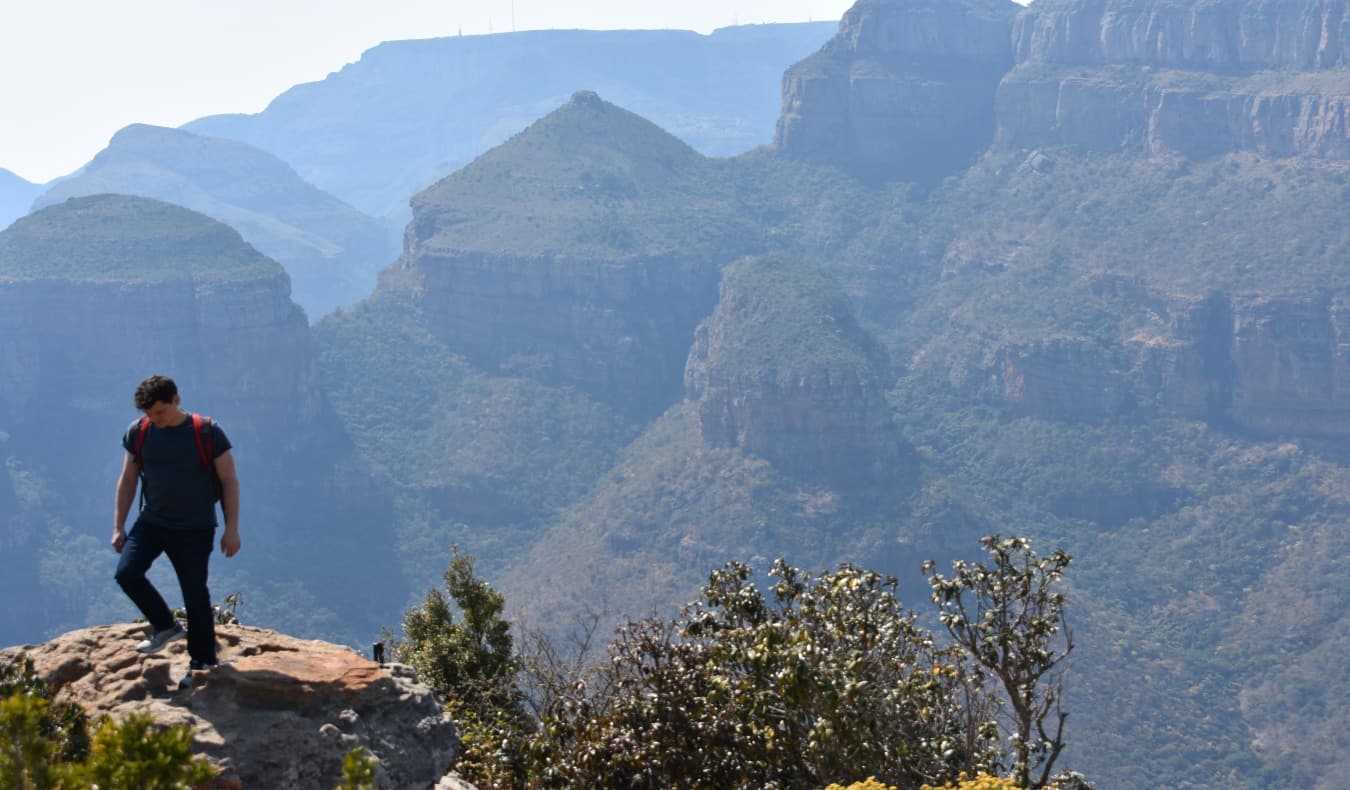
(1009,616)
(471,664)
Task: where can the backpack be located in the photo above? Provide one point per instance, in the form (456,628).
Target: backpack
(201,431)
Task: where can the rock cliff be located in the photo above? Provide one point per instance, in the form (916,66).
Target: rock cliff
(1195,79)
(782,370)
(1270,365)
(97,293)
(276,712)
(1219,35)
(1265,365)
(109,280)
(904,90)
(564,254)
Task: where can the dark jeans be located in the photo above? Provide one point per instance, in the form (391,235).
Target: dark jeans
(189,550)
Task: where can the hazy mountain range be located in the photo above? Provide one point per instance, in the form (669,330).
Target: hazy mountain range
(1106,307)
(410,112)
(16,195)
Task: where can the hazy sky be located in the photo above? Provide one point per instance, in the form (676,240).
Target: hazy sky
(73,72)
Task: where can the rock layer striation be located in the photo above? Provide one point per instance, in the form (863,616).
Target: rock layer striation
(1191,79)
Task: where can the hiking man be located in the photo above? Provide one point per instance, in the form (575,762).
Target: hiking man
(184,465)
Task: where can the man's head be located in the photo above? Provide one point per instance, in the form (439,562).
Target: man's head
(157,396)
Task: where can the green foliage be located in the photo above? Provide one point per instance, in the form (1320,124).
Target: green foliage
(1008,615)
(472,665)
(358,770)
(46,745)
(28,755)
(137,754)
(64,725)
(829,677)
(789,316)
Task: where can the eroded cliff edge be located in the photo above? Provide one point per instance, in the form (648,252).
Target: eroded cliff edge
(904,90)
(1166,77)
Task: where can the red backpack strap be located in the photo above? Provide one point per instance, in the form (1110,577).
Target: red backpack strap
(201,429)
(142,428)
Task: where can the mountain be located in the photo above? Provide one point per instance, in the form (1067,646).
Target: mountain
(409,112)
(16,195)
(605,363)
(330,250)
(563,251)
(99,292)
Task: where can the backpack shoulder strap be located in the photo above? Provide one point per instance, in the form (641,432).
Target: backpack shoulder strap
(142,428)
(201,429)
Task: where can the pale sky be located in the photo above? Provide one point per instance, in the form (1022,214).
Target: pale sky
(73,72)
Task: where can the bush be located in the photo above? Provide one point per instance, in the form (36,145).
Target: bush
(831,677)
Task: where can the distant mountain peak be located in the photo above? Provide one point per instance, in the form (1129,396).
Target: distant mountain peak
(588,178)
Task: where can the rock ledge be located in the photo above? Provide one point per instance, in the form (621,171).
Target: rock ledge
(277,712)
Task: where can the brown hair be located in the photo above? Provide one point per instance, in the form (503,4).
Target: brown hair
(155,389)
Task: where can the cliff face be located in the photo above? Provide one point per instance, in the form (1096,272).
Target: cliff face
(97,293)
(224,323)
(1192,79)
(904,89)
(782,370)
(564,255)
(277,712)
(1266,365)
(1221,35)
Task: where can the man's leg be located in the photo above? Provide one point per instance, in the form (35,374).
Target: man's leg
(190,551)
(142,547)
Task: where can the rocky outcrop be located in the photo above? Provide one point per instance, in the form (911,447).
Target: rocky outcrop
(1268,365)
(904,90)
(1291,365)
(1061,379)
(276,712)
(1262,364)
(782,370)
(1194,79)
(582,252)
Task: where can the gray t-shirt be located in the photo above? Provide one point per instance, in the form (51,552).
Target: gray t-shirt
(179,492)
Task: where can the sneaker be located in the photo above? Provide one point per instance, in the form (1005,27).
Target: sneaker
(159,639)
(193,668)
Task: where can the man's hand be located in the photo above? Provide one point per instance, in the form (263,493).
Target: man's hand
(229,542)
(119,539)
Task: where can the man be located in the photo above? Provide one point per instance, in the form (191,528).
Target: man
(179,488)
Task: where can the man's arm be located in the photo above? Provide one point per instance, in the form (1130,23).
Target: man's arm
(229,502)
(126,493)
